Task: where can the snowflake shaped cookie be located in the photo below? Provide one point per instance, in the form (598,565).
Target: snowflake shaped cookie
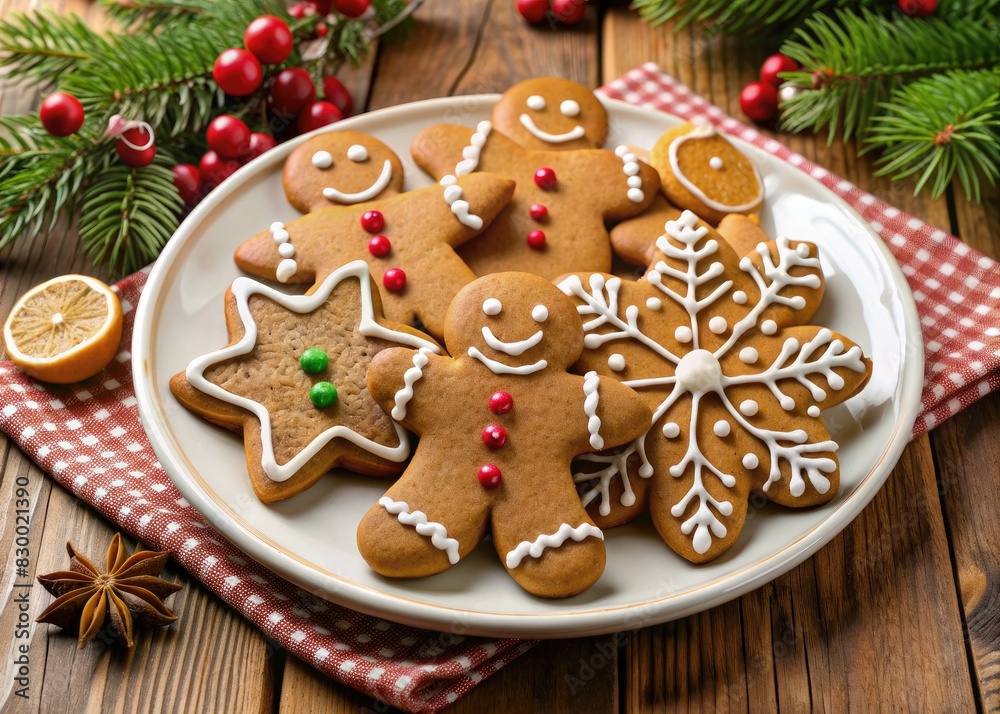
(736,380)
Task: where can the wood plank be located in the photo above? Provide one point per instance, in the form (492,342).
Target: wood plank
(865,609)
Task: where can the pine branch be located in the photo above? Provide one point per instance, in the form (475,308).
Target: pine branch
(156,15)
(938,127)
(851,61)
(41,46)
(128,215)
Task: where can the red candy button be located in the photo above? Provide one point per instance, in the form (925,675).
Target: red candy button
(494,436)
(373,221)
(545,178)
(489,476)
(538,211)
(536,239)
(501,403)
(394,280)
(379,246)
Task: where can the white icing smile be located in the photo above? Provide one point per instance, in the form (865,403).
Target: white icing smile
(501,368)
(528,123)
(511,348)
(366,195)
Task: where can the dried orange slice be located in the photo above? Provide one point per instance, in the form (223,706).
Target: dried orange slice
(64,330)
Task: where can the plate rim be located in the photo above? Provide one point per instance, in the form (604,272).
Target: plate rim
(416,613)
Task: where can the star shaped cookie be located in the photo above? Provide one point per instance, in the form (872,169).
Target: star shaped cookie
(293,379)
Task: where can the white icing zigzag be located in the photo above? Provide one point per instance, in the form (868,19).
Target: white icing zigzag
(410,376)
(469,163)
(538,546)
(418,519)
(243,289)
(591,398)
(698,372)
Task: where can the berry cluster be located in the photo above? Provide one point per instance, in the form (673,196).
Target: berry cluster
(759,100)
(568,12)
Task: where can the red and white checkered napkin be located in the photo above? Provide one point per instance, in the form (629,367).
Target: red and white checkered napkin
(956,288)
(88,436)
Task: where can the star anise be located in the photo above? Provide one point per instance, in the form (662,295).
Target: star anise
(128,591)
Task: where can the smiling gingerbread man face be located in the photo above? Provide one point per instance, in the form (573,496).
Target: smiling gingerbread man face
(516,332)
(552,114)
(341,168)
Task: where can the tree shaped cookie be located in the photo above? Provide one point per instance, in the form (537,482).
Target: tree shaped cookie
(499,424)
(702,171)
(293,379)
(555,222)
(736,380)
(408,241)
(548,113)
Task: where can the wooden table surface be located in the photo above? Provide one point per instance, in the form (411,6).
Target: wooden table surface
(901,611)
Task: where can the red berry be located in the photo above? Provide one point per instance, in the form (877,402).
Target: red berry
(538,212)
(228,136)
(237,72)
(335,91)
(291,92)
(489,476)
(918,8)
(323,6)
(318,114)
(569,12)
(351,8)
(774,64)
(320,29)
(536,239)
(545,178)
(379,246)
(494,436)
(136,158)
(269,38)
(215,169)
(303,9)
(501,402)
(61,114)
(259,143)
(373,221)
(759,101)
(533,10)
(394,280)
(187,179)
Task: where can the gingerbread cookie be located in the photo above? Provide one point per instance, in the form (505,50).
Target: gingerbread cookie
(499,424)
(700,170)
(293,379)
(555,222)
(408,241)
(548,113)
(737,381)
(341,168)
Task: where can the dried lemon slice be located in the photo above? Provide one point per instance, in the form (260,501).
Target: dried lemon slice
(64,330)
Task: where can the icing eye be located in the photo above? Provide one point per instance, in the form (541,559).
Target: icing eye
(322,160)
(540,313)
(570,108)
(357,153)
(536,102)
(492,306)
(715,162)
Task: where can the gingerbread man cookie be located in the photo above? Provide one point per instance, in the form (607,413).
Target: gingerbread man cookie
(555,222)
(548,113)
(341,168)
(408,241)
(499,424)
(293,379)
(700,170)
(737,381)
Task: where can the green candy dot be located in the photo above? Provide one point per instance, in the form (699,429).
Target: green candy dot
(313,361)
(323,394)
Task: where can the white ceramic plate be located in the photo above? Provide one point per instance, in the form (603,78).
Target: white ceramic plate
(311,539)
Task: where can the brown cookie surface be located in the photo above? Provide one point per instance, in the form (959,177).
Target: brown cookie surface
(555,222)
(418,272)
(499,424)
(736,380)
(341,168)
(259,385)
(702,171)
(549,113)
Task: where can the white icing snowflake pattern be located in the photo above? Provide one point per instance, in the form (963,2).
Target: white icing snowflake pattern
(708,356)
